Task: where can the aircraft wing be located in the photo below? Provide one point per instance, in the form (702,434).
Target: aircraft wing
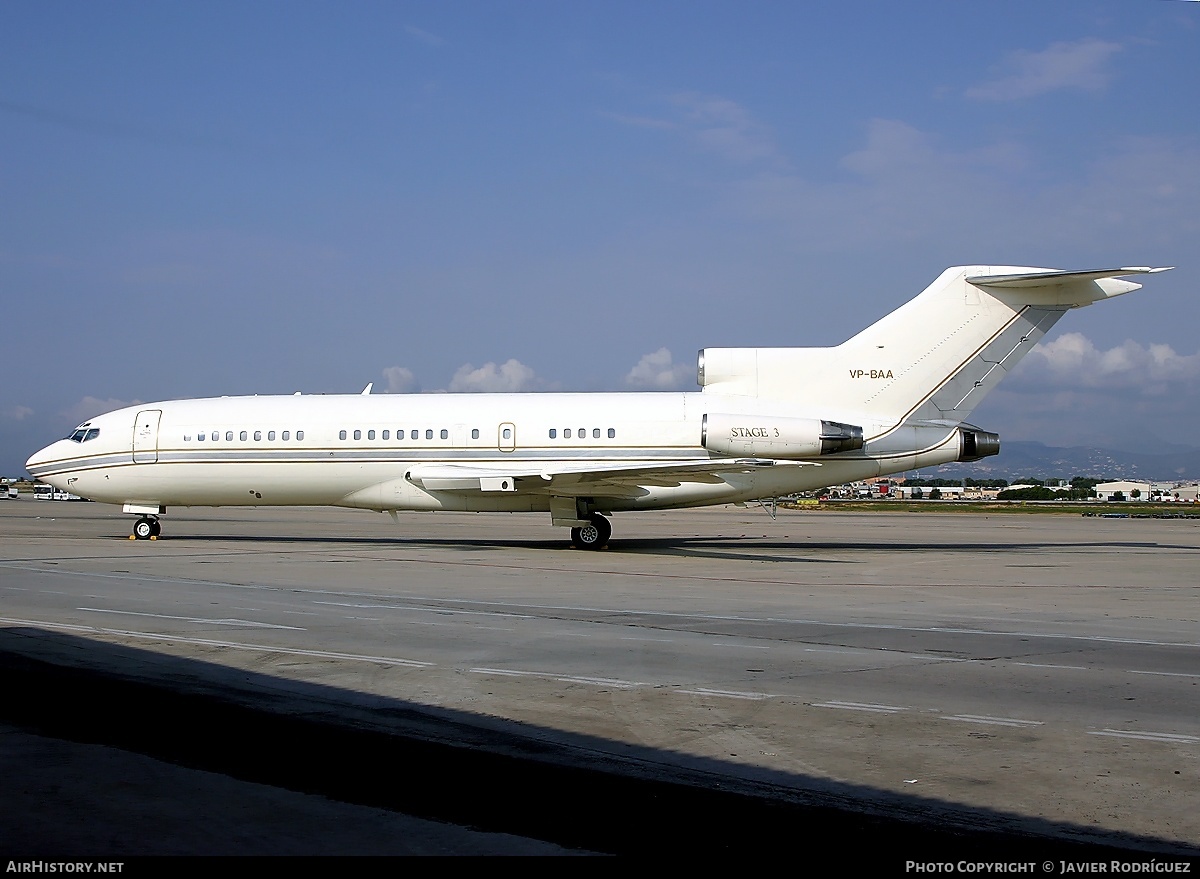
(570,478)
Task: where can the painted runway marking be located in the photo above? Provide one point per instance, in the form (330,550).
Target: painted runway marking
(439,610)
(568,679)
(506,672)
(834,650)
(1167,738)
(992,721)
(1169,674)
(729,694)
(748,646)
(1049,665)
(618,683)
(209,642)
(860,706)
(655,640)
(610,611)
(250,624)
(833,625)
(600,682)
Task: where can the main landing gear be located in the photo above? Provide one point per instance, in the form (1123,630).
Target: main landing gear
(146,528)
(593,535)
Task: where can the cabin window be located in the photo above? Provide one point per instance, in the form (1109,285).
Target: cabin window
(358,434)
(271,436)
(507,433)
(387,434)
(187,437)
(612,433)
(200,437)
(475,433)
(341,434)
(553,433)
(258,436)
(400,434)
(242,436)
(445,433)
(567,433)
(370,434)
(429,434)
(299,435)
(595,433)
(216,435)
(287,434)
(229,436)
(414,434)
(583,433)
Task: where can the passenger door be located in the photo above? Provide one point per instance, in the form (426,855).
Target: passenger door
(145,436)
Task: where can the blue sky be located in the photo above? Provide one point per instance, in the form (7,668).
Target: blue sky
(225,198)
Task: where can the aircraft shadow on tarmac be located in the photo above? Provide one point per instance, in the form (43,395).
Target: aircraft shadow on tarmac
(743,548)
(454,766)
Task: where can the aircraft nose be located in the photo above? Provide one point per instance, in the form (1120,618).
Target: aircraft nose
(41,457)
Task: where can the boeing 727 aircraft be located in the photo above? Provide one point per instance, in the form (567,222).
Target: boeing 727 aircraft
(767,422)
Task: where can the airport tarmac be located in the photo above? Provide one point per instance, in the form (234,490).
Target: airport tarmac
(1028,674)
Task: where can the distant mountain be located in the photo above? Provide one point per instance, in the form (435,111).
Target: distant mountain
(1017,459)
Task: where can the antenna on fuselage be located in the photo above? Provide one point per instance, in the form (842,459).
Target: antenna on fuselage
(366,392)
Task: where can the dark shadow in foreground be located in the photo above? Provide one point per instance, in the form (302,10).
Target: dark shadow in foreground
(453,766)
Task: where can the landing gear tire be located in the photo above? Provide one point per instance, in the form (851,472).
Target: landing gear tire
(593,535)
(145,528)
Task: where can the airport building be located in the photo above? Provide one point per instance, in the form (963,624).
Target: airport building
(1148,491)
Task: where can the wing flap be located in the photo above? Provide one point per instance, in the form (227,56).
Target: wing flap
(584,478)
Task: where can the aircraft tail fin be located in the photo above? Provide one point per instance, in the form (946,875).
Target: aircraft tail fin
(932,359)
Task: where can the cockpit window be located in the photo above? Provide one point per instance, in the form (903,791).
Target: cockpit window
(82,433)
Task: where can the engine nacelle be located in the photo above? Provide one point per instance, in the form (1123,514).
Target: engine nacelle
(763,436)
(978,444)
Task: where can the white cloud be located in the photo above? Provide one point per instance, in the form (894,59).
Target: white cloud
(1079,65)
(656,371)
(907,185)
(90,407)
(1072,361)
(1068,392)
(725,127)
(424,36)
(902,185)
(508,377)
(16,413)
(400,380)
(718,125)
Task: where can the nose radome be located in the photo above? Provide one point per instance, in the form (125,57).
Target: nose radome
(41,456)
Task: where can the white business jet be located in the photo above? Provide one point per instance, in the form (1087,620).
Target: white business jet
(767,422)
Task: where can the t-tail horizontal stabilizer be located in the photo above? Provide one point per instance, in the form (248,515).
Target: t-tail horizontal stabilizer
(932,359)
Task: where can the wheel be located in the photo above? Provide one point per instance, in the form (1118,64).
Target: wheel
(593,535)
(156,528)
(144,529)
